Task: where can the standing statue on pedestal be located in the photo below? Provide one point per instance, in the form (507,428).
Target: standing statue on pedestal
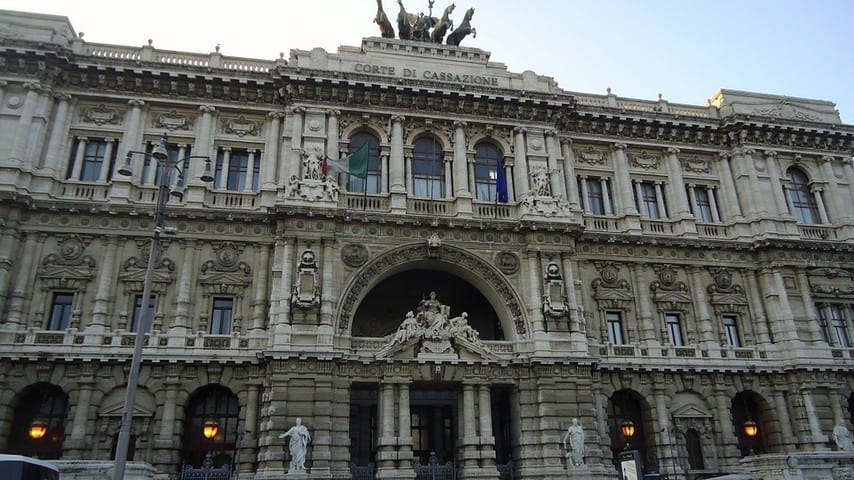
(842,437)
(300,438)
(573,443)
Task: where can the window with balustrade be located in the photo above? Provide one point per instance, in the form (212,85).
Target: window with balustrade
(428,172)
(91,160)
(151,170)
(703,203)
(60,310)
(595,195)
(237,170)
(372,183)
(487,162)
(802,199)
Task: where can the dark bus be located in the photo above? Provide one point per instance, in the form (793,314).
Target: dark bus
(17,467)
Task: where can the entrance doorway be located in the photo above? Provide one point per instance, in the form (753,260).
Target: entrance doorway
(433,413)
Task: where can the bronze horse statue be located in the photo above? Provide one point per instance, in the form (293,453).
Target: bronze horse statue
(443,25)
(464,29)
(382,21)
(404,23)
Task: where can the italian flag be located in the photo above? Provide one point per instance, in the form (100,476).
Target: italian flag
(355,164)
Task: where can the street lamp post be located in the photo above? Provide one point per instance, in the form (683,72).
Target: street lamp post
(166,165)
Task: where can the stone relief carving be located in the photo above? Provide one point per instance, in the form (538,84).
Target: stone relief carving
(415,252)
(724,295)
(667,292)
(842,437)
(784,109)
(226,274)
(554,299)
(314,185)
(101,115)
(354,255)
(831,282)
(609,290)
(507,262)
(306,290)
(133,269)
(695,164)
(69,268)
(172,120)
(434,244)
(644,160)
(539,201)
(240,126)
(433,333)
(590,156)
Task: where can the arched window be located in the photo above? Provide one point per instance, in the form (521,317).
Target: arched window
(695,450)
(746,408)
(428,173)
(627,405)
(43,403)
(371,184)
(803,200)
(487,161)
(211,403)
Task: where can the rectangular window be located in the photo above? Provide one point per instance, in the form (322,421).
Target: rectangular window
(648,204)
(730,324)
(595,194)
(137,311)
(234,171)
(840,325)
(703,211)
(615,327)
(151,170)
(674,329)
(93,161)
(60,310)
(221,316)
(823,324)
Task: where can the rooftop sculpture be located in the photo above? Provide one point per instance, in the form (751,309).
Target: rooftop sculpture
(425,28)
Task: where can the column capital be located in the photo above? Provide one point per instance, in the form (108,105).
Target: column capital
(207,108)
(827,158)
(519,130)
(770,153)
(550,132)
(333,112)
(620,146)
(82,138)
(566,141)
(276,115)
(460,124)
(298,109)
(63,97)
(226,148)
(725,155)
(398,118)
(136,103)
(672,150)
(33,86)
(747,151)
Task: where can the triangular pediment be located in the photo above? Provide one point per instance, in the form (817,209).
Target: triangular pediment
(672,297)
(139,276)
(691,411)
(66,271)
(117,410)
(226,278)
(728,299)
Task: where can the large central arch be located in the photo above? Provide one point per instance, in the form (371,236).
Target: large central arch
(459,262)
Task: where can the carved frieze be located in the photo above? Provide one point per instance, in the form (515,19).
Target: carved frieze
(226,274)
(724,295)
(240,126)
(590,156)
(100,115)
(695,164)
(784,109)
(644,160)
(133,269)
(173,120)
(831,282)
(667,292)
(609,290)
(507,262)
(69,268)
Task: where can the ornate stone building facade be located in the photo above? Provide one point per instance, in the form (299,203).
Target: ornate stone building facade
(687,268)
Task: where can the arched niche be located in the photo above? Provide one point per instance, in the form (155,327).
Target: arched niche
(475,271)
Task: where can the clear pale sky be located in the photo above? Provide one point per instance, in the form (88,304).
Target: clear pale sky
(684,49)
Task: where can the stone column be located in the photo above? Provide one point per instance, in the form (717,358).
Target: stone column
(172,382)
(332,133)
(3,85)
(396,167)
(203,145)
(520,177)
(555,180)
(58,134)
(731,206)
(812,314)
(404,434)
(659,199)
(759,321)
(759,205)
(487,440)
(577,324)
(29,251)
(106,286)
(848,170)
(818,437)
(728,441)
(384,171)
(77,166)
(17,151)
(817,192)
(386,451)
(783,414)
(222,183)
(647,320)
(131,133)
(327,294)
(679,201)
(80,420)
(839,214)
(105,165)
(606,196)
(250,171)
(536,294)
(262,271)
(713,204)
(468,445)
(776,186)
(284,316)
(701,304)
(667,462)
(9,244)
(248,441)
(184,297)
(271,148)
(623,187)
(449,194)
(585,194)
(461,189)
(569,174)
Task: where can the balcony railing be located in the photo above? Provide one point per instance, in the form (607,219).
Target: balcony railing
(597,223)
(82,191)
(238,200)
(431,207)
(817,232)
(369,203)
(658,227)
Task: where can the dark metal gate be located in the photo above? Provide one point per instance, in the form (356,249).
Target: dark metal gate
(362,472)
(434,470)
